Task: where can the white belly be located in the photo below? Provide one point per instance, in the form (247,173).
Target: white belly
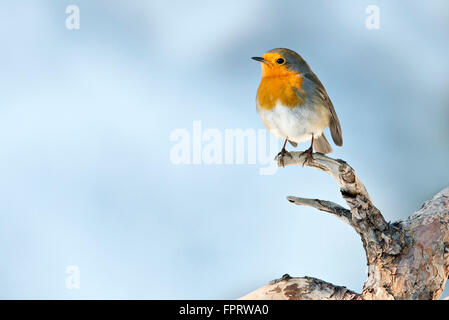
(297,124)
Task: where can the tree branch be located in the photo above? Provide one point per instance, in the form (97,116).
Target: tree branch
(377,235)
(326,206)
(306,288)
(406,259)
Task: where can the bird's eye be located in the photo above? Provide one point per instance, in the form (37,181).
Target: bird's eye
(280,61)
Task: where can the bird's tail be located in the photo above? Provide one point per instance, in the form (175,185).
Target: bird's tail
(293,143)
(320,144)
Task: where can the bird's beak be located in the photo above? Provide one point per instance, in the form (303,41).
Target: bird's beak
(260,59)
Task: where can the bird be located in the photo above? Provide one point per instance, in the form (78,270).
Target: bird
(294,105)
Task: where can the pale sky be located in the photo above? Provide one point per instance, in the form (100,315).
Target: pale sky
(86,117)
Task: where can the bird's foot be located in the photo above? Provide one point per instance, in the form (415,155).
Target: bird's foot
(309,156)
(281,156)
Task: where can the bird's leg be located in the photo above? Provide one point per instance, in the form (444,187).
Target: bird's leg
(283,153)
(308,153)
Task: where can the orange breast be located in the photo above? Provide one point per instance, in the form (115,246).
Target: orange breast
(283,89)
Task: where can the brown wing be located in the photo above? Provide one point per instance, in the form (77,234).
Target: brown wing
(322,94)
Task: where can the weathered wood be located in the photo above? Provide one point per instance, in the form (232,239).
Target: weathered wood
(306,288)
(327,206)
(406,260)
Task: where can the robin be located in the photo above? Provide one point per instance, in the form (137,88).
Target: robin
(293,103)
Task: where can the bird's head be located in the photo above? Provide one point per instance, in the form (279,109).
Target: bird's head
(281,61)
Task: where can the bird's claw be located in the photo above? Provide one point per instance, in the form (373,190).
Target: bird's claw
(308,157)
(281,156)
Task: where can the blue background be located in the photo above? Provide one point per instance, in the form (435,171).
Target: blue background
(85,120)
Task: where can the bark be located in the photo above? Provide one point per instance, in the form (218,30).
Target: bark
(407,259)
